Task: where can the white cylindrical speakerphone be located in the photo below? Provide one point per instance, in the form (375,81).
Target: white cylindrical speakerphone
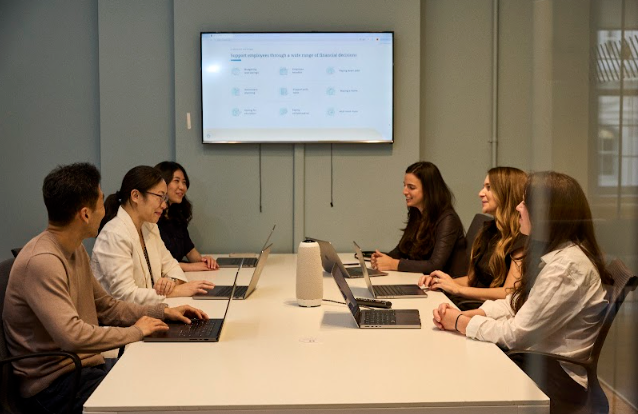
(309,274)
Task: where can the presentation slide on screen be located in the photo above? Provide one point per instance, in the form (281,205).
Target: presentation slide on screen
(297,87)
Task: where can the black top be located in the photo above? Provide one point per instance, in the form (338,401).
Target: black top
(448,253)
(489,237)
(176,237)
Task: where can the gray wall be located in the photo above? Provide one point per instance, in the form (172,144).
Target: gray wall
(49,104)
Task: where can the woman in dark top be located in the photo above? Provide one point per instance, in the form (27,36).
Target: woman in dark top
(498,244)
(433,238)
(173,224)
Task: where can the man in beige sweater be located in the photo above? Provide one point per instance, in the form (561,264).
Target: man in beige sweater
(53,302)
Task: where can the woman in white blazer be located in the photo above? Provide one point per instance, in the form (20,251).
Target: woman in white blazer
(129,258)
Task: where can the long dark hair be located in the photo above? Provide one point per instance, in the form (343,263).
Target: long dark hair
(507,187)
(418,235)
(181,212)
(559,213)
(141,178)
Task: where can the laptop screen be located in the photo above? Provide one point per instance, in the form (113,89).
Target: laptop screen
(258,269)
(346,292)
(329,255)
(364,269)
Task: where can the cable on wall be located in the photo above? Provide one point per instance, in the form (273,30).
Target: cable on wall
(260,204)
(495,33)
(331,179)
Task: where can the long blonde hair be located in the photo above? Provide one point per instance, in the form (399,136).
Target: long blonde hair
(507,186)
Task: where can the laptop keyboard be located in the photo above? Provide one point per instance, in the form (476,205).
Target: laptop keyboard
(240,291)
(378,317)
(388,290)
(230,261)
(249,262)
(199,328)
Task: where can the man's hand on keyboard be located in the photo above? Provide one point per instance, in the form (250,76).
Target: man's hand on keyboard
(184,313)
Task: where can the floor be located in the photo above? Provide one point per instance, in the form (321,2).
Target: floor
(616,404)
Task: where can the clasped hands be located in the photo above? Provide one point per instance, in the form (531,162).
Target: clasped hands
(381,261)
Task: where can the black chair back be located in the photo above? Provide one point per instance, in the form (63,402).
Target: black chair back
(624,282)
(475,226)
(7,383)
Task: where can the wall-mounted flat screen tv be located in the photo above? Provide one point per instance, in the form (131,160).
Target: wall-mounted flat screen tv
(309,87)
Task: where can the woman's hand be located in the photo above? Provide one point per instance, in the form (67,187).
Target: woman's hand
(201,266)
(439,280)
(210,263)
(164,286)
(444,317)
(192,288)
(382,261)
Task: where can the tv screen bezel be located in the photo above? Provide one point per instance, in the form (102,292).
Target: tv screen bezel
(201,90)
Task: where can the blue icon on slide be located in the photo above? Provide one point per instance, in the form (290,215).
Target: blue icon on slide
(330,70)
(330,91)
(283,71)
(235,91)
(283,111)
(330,112)
(236,71)
(283,91)
(236,112)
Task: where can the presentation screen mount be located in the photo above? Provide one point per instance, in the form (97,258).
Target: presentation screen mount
(311,87)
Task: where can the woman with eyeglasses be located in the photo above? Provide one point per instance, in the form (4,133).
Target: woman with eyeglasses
(173,224)
(557,304)
(129,258)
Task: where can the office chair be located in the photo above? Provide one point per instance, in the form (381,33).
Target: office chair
(475,227)
(10,402)
(596,402)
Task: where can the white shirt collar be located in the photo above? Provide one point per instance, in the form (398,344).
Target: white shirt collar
(546,258)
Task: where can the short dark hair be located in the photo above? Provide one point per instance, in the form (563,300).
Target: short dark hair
(69,188)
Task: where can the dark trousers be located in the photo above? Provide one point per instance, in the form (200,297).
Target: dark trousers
(565,394)
(54,398)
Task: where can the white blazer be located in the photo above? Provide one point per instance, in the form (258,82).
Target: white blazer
(119,264)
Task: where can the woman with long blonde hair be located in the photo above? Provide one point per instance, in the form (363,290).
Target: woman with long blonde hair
(557,305)
(497,250)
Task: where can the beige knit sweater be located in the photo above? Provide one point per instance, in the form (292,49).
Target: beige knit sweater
(52,303)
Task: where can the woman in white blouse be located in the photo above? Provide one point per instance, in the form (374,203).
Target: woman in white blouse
(129,258)
(558,303)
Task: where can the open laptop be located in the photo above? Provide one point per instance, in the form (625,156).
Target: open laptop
(241,292)
(374,319)
(329,257)
(236,261)
(389,291)
(199,330)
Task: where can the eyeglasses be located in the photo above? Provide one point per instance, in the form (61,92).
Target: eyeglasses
(164,197)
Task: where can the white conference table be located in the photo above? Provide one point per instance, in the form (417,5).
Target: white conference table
(276,357)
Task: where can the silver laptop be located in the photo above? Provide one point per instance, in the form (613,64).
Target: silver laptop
(197,331)
(241,292)
(374,319)
(236,261)
(329,257)
(389,291)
